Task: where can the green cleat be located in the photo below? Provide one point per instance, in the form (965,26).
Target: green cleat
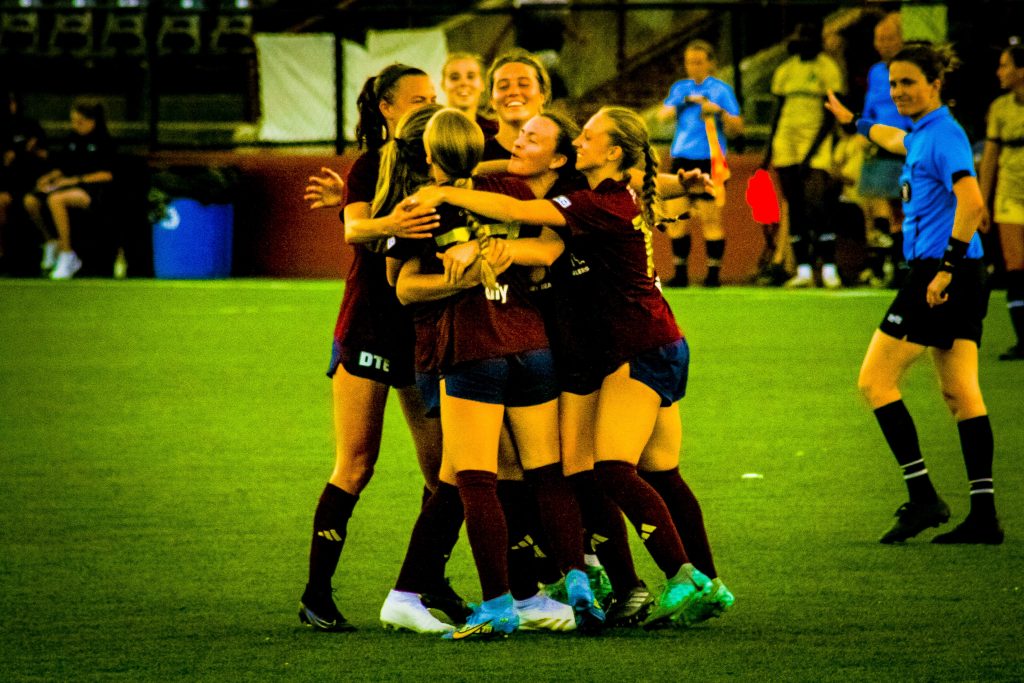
(714,599)
(677,597)
(600,584)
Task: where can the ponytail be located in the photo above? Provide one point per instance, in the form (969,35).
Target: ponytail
(403,161)
(372,129)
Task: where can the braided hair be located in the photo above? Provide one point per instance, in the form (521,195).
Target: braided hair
(372,129)
(456,145)
(629,132)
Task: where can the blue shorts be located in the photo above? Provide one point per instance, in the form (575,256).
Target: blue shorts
(429,386)
(518,380)
(665,369)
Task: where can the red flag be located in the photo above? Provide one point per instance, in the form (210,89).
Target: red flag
(762,199)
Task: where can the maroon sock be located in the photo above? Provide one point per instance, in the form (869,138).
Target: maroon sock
(560,515)
(330,525)
(485,528)
(605,532)
(431,543)
(686,515)
(645,510)
(522,568)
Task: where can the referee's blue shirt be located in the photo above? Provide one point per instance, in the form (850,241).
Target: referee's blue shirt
(691,139)
(938,154)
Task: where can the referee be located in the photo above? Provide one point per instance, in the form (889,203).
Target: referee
(942,302)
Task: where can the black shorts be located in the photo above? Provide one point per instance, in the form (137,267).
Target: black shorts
(910,318)
(373,364)
(684,164)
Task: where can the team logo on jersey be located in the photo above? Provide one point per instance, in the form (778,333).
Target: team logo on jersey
(562,201)
(905,193)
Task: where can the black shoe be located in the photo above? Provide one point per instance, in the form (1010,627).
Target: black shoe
(712,280)
(317,610)
(974,529)
(448,601)
(913,518)
(681,278)
(630,608)
(1013,353)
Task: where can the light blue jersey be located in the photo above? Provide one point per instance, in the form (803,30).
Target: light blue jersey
(691,139)
(938,154)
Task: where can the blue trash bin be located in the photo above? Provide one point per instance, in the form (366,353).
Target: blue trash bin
(193,241)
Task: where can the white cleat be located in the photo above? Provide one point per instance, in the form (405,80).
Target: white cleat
(804,278)
(50,251)
(541,613)
(404,612)
(68,264)
(830,276)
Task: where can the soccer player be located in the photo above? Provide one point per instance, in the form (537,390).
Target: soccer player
(520,87)
(1002,169)
(942,302)
(496,366)
(691,102)
(373,338)
(462,79)
(800,148)
(637,420)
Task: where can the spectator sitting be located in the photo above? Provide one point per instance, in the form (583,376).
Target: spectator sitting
(23,152)
(82,174)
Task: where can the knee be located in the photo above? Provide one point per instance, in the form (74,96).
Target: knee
(31,203)
(875,392)
(353,473)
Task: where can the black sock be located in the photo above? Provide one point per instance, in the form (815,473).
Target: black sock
(1015,302)
(606,533)
(901,434)
(716,251)
(522,571)
(826,247)
(977,445)
(330,525)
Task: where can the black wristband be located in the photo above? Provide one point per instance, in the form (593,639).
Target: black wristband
(954,254)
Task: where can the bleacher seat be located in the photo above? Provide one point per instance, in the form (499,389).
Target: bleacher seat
(72,33)
(19,32)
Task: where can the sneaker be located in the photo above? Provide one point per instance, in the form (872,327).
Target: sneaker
(678,595)
(404,612)
(974,529)
(1013,353)
(830,276)
(711,602)
(495,618)
(581,598)
(631,608)
(448,601)
(50,250)
(541,613)
(803,279)
(913,518)
(318,611)
(68,264)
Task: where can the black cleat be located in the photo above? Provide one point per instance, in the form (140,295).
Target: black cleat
(446,600)
(913,518)
(318,611)
(975,530)
(1013,353)
(631,608)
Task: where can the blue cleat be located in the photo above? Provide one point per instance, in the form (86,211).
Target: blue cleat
(494,618)
(581,598)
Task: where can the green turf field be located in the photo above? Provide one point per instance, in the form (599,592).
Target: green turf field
(162,447)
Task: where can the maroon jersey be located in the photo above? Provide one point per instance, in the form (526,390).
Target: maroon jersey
(477,324)
(605,228)
(494,151)
(488,126)
(373,328)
